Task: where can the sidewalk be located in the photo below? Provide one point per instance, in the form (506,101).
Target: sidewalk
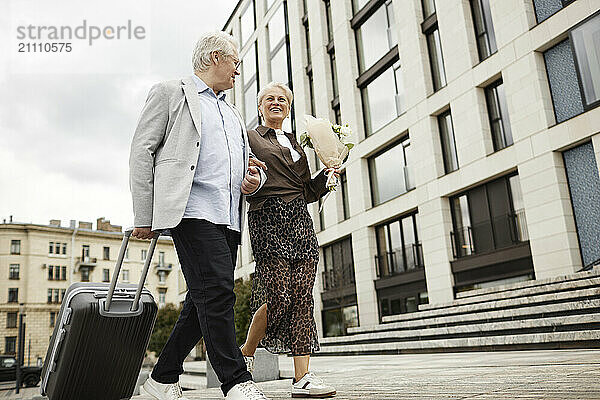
(543,374)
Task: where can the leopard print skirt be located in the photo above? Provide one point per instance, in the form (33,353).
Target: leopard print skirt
(286,251)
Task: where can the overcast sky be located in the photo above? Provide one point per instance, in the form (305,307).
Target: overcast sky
(67,119)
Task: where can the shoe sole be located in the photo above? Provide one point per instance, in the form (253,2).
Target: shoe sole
(313,396)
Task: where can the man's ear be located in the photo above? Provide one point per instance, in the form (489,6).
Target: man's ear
(215,57)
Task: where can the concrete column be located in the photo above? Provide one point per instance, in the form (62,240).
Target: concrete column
(550,221)
(435,225)
(364,246)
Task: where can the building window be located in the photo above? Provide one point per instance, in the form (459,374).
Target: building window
(383,98)
(278,45)
(52,318)
(335,102)
(430,29)
(50,272)
(162,297)
(402,303)
(64,248)
(55,296)
(398,247)
(144,254)
(63,275)
(338,265)
(162,276)
(344,194)
(10,345)
(248,22)
(309,73)
(250,86)
(544,9)
(428,8)
(11,319)
(106,253)
(488,217)
(321,215)
(337,321)
(125,275)
(586,46)
(161,258)
(13,271)
(85,253)
(105,275)
(584,187)
(448,142)
(62,294)
(13,295)
(498,115)
(376,36)
(380,79)
(573,71)
(384,168)
(85,274)
(484,28)
(15,247)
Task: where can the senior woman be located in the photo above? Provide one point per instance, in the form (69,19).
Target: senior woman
(284,245)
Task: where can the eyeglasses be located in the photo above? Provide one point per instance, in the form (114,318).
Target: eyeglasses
(236,62)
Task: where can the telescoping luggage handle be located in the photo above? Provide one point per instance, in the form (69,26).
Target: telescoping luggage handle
(115,278)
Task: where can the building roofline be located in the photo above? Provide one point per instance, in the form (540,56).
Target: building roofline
(23,226)
(237,6)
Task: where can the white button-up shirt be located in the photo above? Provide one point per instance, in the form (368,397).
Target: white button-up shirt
(216,189)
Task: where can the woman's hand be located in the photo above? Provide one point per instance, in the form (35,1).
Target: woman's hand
(255,162)
(336,172)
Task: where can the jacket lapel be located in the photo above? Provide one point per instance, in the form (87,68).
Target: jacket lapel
(191,96)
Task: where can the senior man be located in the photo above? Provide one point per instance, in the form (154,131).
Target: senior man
(190,166)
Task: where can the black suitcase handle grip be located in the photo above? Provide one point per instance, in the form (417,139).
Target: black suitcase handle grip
(115,278)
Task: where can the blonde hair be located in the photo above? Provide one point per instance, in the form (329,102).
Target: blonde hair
(272,85)
(208,43)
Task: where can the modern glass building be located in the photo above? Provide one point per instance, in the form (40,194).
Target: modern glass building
(477,141)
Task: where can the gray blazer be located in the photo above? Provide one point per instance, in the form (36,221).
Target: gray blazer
(164,154)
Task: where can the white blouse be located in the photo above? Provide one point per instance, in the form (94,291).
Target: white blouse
(285,142)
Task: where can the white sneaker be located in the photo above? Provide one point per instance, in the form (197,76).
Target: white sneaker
(245,391)
(162,391)
(311,386)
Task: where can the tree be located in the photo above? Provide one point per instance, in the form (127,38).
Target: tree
(165,321)
(243,315)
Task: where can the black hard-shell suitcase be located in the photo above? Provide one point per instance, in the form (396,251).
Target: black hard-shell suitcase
(100,338)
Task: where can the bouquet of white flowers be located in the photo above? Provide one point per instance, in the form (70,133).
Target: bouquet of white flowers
(330,142)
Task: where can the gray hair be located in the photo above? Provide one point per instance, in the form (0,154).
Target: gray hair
(222,42)
(272,85)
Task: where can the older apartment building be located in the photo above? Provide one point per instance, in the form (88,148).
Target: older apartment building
(477,141)
(39,262)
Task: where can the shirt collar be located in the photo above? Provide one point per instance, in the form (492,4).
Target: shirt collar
(202,86)
(263,130)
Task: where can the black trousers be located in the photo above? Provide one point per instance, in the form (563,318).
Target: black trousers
(207,254)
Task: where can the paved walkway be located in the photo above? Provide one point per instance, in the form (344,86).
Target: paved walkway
(555,374)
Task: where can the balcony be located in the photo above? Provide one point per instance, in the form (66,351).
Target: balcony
(498,233)
(86,262)
(338,278)
(163,267)
(393,262)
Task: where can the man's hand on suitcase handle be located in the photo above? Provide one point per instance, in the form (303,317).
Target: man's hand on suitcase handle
(143,233)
